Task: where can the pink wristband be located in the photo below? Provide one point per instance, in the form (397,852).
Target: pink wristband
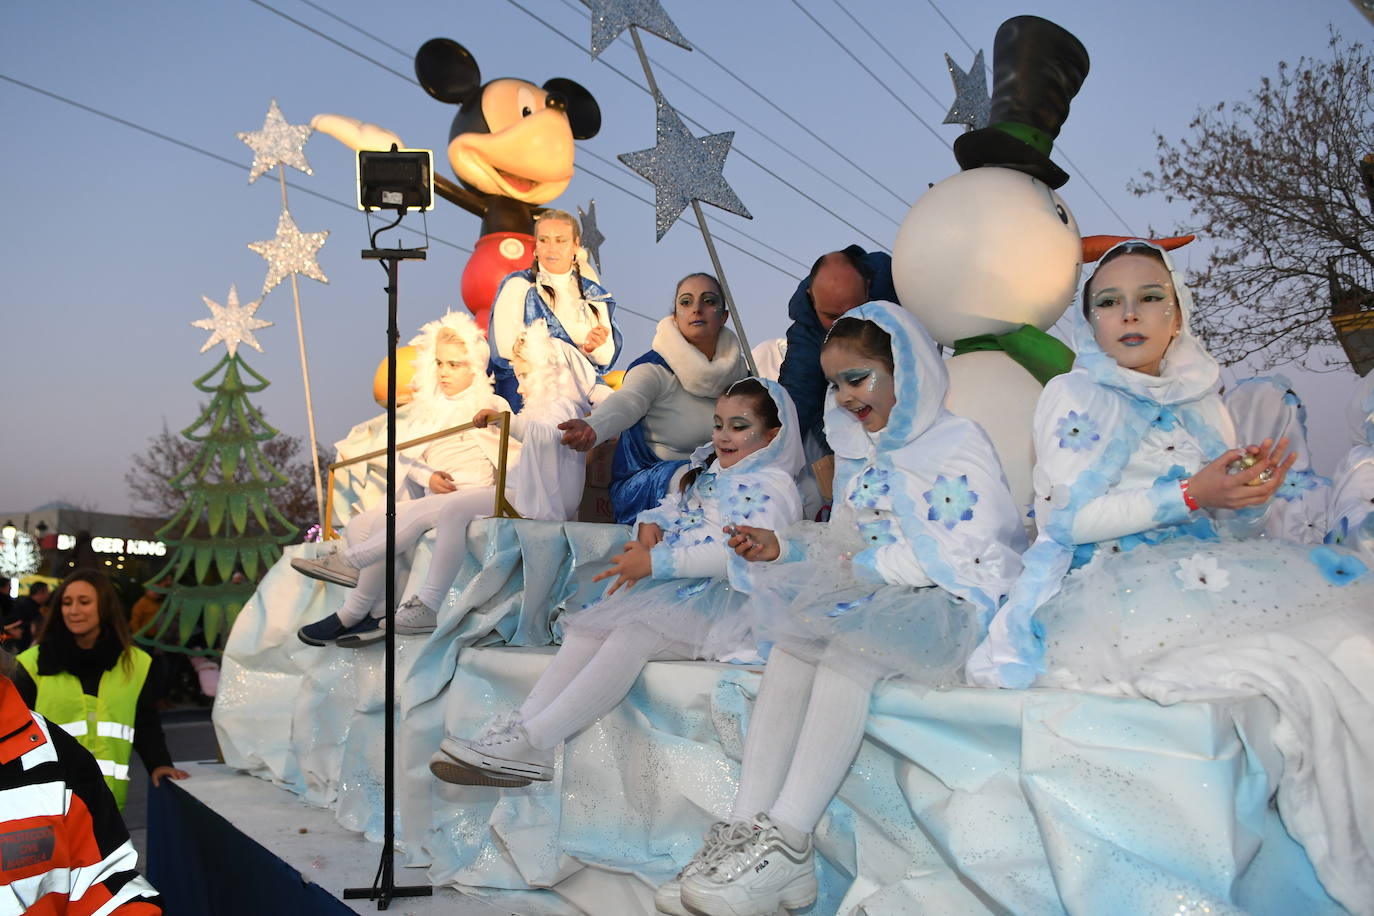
(1188,497)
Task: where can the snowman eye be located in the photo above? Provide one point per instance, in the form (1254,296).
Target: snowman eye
(1063,214)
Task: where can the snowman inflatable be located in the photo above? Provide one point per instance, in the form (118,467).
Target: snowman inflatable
(989,259)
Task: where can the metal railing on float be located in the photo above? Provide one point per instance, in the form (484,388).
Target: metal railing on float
(501,508)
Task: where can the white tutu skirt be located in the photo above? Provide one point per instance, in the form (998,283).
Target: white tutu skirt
(1124,609)
(818,611)
(700,617)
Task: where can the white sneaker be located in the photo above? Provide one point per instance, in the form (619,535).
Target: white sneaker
(668,898)
(504,752)
(753,874)
(328,568)
(415,618)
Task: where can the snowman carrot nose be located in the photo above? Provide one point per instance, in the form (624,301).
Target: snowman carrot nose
(1095,246)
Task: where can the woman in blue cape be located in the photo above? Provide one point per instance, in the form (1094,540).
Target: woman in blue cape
(662,410)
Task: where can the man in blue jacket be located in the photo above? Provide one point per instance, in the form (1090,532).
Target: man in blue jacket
(838,282)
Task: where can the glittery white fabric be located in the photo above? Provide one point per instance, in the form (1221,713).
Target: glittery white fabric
(960,801)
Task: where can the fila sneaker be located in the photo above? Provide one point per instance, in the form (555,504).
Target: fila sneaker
(753,875)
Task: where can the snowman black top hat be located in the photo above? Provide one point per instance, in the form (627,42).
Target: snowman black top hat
(1037,68)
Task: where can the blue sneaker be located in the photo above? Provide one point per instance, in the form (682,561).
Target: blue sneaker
(327,631)
(363,633)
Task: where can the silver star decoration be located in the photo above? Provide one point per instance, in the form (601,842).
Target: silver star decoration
(611,17)
(231,323)
(291,252)
(972,105)
(684,168)
(277,142)
(591,236)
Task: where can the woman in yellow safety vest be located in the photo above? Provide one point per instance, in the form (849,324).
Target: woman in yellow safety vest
(85,675)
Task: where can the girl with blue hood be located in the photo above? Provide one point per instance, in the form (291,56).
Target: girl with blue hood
(1137,479)
(689,608)
(923,543)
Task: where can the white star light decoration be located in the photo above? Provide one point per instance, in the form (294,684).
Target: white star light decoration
(611,17)
(277,142)
(972,105)
(231,324)
(291,252)
(684,168)
(591,236)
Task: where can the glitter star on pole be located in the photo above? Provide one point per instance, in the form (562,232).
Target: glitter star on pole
(277,142)
(291,252)
(591,236)
(972,105)
(684,168)
(611,17)
(231,323)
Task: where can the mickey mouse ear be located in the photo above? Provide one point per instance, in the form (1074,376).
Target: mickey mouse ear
(447,70)
(584,115)
(1095,246)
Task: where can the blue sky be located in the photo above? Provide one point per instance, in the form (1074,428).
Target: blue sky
(114,235)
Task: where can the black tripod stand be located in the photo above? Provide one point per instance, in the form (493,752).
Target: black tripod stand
(384,888)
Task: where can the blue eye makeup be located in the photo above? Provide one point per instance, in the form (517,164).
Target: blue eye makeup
(855,376)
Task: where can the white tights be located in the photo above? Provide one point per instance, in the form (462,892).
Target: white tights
(451,541)
(807,724)
(586,679)
(366,538)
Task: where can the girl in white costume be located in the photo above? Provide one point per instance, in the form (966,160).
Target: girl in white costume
(451,385)
(689,609)
(1133,494)
(1267,407)
(1352,496)
(1138,473)
(556,382)
(923,543)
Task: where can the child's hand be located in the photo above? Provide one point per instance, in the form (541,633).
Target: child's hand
(649,534)
(441,482)
(633,564)
(1215,487)
(595,338)
(484,416)
(754,544)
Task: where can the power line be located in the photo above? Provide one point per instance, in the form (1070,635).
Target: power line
(697,123)
(412,81)
(740,119)
(342,21)
(334,41)
(873,38)
(197,149)
(854,57)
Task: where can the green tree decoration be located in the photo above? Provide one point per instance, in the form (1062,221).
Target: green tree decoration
(228,532)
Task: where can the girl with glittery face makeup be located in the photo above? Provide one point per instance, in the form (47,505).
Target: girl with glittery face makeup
(739,430)
(1134,311)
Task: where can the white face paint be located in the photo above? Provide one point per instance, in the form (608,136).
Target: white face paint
(738,430)
(1134,312)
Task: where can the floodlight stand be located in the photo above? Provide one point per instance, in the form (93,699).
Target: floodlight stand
(384,888)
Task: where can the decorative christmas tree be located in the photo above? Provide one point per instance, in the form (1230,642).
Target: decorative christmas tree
(228,531)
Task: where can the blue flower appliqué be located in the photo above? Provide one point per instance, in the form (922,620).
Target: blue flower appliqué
(705,483)
(870,487)
(746,501)
(1076,431)
(950,499)
(1166,419)
(1338,533)
(1295,483)
(1339,568)
(877,534)
(844,607)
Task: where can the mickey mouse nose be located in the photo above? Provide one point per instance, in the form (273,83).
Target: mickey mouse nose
(557,100)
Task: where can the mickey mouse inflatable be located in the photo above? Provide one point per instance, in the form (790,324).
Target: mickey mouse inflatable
(510,145)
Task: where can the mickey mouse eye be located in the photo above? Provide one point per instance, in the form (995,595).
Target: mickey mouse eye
(1063,214)
(526,112)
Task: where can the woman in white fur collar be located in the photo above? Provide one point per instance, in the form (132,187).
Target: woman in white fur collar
(663,408)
